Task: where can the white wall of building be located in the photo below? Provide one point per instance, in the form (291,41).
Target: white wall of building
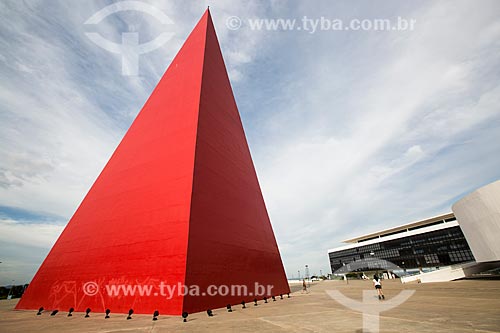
(478,215)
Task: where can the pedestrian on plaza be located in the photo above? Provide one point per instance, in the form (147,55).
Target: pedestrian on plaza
(378,287)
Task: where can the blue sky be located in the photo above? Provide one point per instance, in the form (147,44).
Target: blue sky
(350,131)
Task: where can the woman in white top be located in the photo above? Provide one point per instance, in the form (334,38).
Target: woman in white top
(378,287)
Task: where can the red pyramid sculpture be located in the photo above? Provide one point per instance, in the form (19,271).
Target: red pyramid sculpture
(176,221)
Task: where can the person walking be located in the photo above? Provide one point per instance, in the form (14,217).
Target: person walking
(378,287)
(304,286)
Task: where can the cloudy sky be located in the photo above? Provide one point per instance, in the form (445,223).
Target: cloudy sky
(351,131)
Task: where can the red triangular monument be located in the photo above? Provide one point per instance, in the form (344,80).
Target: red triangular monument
(176,220)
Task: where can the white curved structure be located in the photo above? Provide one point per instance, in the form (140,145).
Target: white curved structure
(479,217)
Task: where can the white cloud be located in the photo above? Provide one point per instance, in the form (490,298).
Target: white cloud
(235,75)
(23,247)
(41,235)
(342,149)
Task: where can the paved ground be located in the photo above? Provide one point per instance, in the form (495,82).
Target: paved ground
(460,306)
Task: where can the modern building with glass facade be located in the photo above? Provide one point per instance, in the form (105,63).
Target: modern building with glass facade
(421,245)
(467,237)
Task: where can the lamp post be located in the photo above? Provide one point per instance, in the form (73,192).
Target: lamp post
(10,294)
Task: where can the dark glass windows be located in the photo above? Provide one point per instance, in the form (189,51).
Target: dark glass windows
(435,248)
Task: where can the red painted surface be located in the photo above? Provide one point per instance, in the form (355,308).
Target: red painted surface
(178,203)
(230,235)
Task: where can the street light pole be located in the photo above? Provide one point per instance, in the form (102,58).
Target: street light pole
(9,295)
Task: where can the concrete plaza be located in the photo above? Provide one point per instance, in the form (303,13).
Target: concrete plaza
(460,306)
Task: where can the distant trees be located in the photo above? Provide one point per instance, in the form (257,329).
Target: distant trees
(13,291)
